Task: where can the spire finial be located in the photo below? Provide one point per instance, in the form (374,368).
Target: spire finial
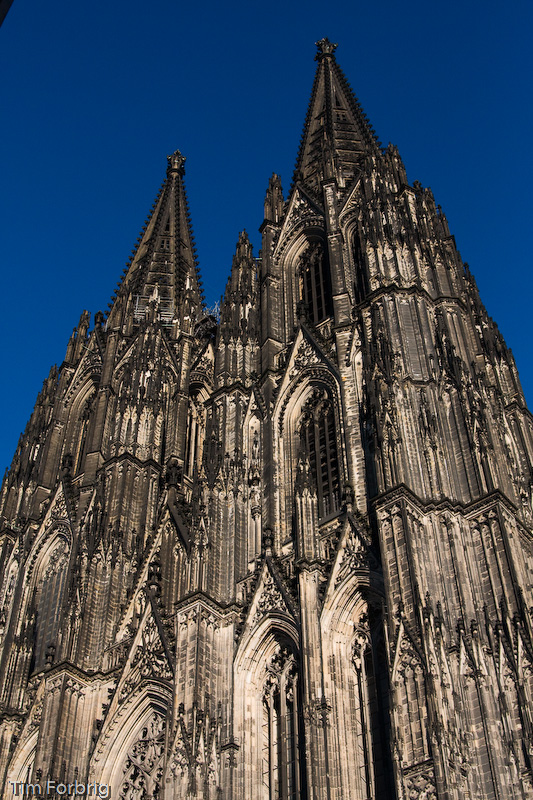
(176,161)
(325,48)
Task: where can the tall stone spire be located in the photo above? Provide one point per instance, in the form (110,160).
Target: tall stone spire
(337,133)
(163,267)
(286,552)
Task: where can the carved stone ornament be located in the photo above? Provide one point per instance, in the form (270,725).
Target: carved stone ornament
(325,47)
(176,160)
(354,557)
(6,600)
(212,767)
(74,687)
(173,474)
(35,707)
(421,786)
(144,763)
(59,508)
(270,599)
(54,685)
(149,660)
(179,762)
(361,642)
(318,713)
(194,755)
(306,356)
(299,209)
(408,660)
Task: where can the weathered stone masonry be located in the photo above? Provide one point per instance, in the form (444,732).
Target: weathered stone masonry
(285,552)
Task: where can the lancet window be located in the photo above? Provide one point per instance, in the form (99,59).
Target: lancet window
(319,442)
(365,700)
(6,598)
(315,282)
(49,600)
(195,433)
(82,436)
(361,278)
(283,756)
(371,708)
(412,703)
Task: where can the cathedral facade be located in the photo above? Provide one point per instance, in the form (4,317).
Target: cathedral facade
(284,552)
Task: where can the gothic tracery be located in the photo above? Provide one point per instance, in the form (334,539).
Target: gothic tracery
(143,769)
(283,544)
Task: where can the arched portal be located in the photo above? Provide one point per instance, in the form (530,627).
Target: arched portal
(269,715)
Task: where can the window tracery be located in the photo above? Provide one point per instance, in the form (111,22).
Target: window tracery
(368,662)
(314,282)
(196,421)
(319,443)
(283,758)
(143,770)
(361,287)
(50,592)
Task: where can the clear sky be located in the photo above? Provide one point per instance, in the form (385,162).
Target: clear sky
(95,96)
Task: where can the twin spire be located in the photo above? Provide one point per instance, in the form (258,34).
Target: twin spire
(337,133)
(163,269)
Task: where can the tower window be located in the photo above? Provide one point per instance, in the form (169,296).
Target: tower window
(361,279)
(283,737)
(319,442)
(49,601)
(315,282)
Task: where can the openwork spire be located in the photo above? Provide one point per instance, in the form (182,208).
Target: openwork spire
(337,134)
(163,268)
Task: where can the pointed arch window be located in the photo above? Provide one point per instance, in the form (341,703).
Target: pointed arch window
(315,282)
(362,662)
(283,755)
(79,446)
(361,287)
(6,597)
(372,709)
(319,441)
(195,431)
(50,591)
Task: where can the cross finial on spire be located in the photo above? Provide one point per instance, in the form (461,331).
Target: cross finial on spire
(325,48)
(176,160)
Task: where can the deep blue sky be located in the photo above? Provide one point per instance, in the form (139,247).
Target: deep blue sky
(94,96)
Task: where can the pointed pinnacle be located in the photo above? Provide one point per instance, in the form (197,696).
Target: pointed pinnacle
(325,48)
(176,161)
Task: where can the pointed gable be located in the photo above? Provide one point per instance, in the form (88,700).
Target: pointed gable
(354,556)
(406,652)
(270,598)
(304,356)
(302,213)
(149,656)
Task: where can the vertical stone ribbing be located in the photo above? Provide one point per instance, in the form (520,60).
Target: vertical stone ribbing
(283,547)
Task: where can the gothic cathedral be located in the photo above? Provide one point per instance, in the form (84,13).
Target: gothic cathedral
(284,552)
